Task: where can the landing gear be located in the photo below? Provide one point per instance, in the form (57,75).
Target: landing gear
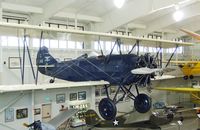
(185,77)
(142,103)
(107,109)
(191,76)
(107,106)
(51,80)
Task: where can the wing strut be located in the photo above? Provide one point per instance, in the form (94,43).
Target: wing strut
(25,47)
(36,79)
(136,44)
(171,56)
(100,46)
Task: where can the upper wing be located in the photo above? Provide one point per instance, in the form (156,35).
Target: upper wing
(25,87)
(178,89)
(92,35)
(62,117)
(193,34)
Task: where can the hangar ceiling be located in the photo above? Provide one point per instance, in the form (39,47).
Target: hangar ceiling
(141,17)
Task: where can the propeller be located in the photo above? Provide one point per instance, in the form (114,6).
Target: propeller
(148,61)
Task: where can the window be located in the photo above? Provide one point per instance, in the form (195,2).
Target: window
(71,45)
(62,44)
(141,49)
(53,43)
(108,45)
(36,42)
(150,49)
(180,50)
(4,41)
(12,41)
(97,46)
(46,42)
(79,45)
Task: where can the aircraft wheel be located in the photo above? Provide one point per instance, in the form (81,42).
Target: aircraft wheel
(191,76)
(51,81)
(142,103)
(107,109)
(185,77)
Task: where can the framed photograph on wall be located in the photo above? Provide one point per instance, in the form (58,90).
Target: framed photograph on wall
(9,115)
(72,96)
(60,98)
(22,113)
(37,111)
(82,95)
(14,62)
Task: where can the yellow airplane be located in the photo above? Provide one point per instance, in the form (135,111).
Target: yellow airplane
(189,68)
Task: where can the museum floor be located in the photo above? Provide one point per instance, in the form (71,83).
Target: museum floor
(190,122)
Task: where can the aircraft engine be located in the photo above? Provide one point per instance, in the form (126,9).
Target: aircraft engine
(148,61)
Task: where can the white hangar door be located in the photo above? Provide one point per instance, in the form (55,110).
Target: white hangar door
(46,112)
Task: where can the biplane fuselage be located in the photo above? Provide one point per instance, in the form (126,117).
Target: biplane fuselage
(116,69)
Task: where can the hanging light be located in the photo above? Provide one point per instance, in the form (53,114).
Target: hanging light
(119,3)
(178,15)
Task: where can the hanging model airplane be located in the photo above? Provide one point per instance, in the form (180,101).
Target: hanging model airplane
(188,68)
(123,70)
(116,69)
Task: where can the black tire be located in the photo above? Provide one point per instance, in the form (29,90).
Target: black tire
(191,77)
(107,109)
(51,81)
(185,77)
(142,103)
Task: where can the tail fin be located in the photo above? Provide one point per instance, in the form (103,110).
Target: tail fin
(44,59)
(92,118)
(193,34)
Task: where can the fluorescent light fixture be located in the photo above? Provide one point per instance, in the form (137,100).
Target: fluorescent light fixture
(119,3)
(178,15)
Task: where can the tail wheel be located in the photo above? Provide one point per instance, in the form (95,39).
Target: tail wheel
(142,103)
(185,77)
(191,76)
(51,81)
(107,109)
